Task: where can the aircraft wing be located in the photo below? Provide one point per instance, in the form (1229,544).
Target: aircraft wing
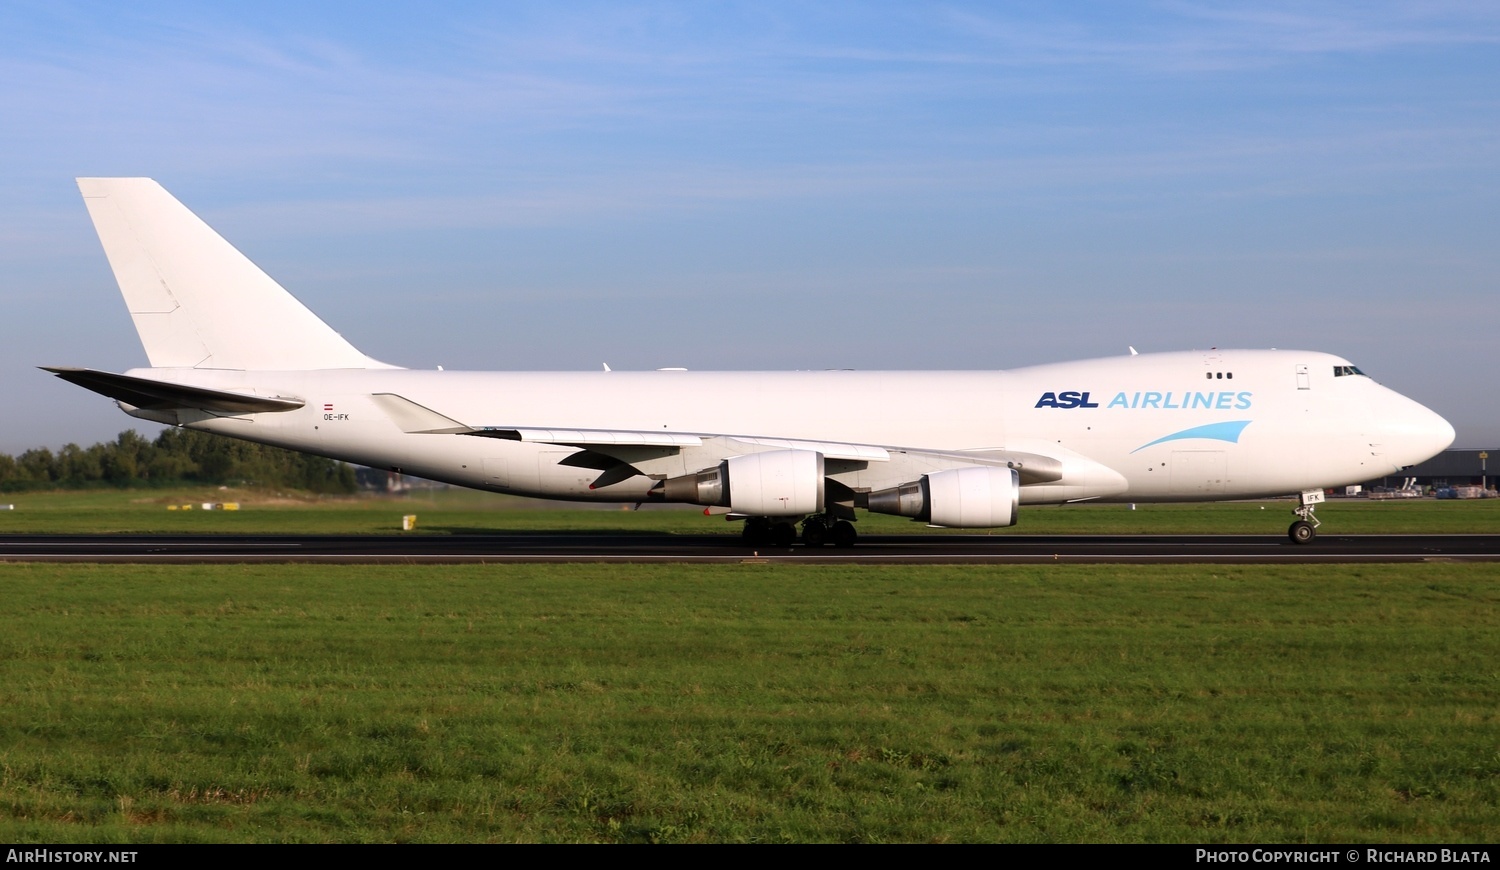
(154,395)
(590,438)
(627,446)
(414,419)
(599,440)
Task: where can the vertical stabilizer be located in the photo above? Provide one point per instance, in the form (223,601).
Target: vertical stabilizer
(196,301)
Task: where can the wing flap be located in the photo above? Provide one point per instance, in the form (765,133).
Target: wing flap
(591,437)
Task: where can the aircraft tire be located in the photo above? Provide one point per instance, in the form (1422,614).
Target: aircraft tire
(783,535)
(757,532)
(844,534)
(1301,532)
(814,533)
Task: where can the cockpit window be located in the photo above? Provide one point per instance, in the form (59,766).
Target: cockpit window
(1340,371)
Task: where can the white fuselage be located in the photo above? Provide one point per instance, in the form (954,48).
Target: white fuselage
(233,352)
(1188,426)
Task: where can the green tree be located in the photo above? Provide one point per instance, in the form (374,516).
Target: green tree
(175,455)
(38,467)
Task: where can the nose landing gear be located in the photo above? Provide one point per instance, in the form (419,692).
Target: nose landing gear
(1306,527)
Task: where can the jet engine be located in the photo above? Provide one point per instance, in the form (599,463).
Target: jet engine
(977,497)
(777,483)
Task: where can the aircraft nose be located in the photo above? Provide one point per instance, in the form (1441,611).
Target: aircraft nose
(1412,432)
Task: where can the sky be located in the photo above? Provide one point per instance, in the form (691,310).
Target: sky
(774,185)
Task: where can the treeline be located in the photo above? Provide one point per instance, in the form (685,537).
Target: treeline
(177,456)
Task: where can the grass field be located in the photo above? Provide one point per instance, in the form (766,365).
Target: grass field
(757,703)
(768,703)
(457,511)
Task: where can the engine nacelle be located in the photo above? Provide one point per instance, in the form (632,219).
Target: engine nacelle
(777,483)
(978,497)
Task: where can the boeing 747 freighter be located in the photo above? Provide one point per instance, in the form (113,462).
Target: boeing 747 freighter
(233,353)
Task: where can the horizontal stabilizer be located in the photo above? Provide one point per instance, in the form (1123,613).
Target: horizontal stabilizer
(155,395)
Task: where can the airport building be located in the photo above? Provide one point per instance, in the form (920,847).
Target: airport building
(1451,468)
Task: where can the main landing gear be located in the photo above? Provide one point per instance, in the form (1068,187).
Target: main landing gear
(1306,527)
(816,531)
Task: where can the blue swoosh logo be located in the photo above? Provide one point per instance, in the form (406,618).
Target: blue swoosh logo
(1215,431)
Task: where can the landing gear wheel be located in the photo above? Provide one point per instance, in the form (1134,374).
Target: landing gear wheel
(844,534)
(783,535)
(1306,527)
(757,532)
(814,533)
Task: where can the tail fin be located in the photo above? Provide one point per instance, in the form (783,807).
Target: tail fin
(196,301)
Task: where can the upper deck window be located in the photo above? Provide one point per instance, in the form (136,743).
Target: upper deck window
(1340,371)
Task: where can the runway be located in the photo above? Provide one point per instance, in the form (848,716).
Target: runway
(656,548)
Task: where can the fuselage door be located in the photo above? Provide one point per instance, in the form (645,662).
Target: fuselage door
(1303,383)
(497,472)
